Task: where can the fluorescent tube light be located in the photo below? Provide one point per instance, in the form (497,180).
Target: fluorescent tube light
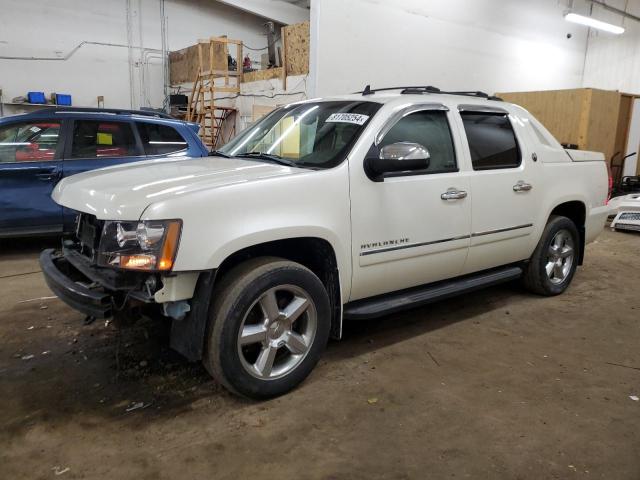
(593,23)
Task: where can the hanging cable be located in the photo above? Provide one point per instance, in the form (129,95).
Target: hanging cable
(263,48)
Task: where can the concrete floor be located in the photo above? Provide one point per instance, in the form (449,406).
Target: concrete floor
(497,384)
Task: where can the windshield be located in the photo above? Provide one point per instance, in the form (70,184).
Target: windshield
(308,135)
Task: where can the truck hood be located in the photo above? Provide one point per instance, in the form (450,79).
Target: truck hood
(123,192)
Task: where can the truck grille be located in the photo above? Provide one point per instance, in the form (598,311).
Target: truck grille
(88,231)
(630,216)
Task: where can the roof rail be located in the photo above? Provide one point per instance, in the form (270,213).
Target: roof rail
(428,89)
(121,111)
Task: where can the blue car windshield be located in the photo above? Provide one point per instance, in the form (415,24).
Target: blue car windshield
(309,135)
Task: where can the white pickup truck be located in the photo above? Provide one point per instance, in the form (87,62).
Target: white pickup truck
(325,210)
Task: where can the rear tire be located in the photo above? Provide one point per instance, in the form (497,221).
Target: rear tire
(555,259)
(268,325)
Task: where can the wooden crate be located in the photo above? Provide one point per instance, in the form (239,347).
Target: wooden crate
(587,117)
(184,65)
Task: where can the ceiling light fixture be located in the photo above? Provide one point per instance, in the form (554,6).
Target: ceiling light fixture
(593,23)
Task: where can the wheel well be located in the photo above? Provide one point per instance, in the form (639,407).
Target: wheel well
(314,253)
(576,212)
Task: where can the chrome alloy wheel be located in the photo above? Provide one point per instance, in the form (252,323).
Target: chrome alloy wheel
(277,332)
(560,256)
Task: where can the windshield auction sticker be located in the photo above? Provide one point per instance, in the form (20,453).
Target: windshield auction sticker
(355,118)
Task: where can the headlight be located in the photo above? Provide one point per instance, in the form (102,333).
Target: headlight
(147,245)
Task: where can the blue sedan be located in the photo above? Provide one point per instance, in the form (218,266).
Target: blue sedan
(40,148)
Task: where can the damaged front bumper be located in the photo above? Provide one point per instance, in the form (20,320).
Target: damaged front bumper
(74,292)
(92,290)
(102,293)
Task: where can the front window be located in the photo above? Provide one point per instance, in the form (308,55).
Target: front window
(308,135)
(430,129)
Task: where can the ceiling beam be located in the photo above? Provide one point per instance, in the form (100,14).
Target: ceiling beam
(276,10)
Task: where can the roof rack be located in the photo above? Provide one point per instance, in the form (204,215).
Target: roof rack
(429,89)
(120,111)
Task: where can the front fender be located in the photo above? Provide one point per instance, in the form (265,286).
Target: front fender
(285,233)
(218,222)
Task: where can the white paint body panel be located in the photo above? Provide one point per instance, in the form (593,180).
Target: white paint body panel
(585,155)
(230,204)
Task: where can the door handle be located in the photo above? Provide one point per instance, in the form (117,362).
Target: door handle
(45,176)
(522,186)
(49,175)
(453,194)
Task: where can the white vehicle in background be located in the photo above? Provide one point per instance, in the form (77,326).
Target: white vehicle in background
(625,211)
(348,207)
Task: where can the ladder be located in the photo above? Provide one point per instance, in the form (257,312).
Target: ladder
(219,126)
(217,123)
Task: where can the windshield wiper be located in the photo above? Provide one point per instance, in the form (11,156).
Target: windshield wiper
(218,153)
(270,157)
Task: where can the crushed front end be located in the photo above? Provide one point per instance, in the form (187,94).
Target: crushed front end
(119,269)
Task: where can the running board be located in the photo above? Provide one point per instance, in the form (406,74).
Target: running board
(414,297)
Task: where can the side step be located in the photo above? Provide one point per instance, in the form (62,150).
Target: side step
(414,297)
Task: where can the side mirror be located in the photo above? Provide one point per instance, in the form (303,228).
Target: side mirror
(398,157)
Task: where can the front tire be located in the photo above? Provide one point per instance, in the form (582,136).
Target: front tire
(268,326)
(555,259)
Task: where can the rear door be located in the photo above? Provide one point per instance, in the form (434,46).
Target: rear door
(30,167)
(505,187)
(95,143)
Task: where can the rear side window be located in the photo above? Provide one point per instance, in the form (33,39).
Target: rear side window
(492,141)
(160,139)
(97,139)
(430,129)
(34,141)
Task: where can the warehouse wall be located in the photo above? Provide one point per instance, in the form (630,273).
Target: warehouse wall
(613,61)
(491,45)
(42,28)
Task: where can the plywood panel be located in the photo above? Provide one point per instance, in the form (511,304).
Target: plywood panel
(587,117)
(603,121)
(624,119)
(295,39)
(560,111)
(262,75)
(183,64)
(633,140)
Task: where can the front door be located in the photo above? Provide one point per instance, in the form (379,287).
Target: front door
(505,189)
(29,169)
(404,232)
